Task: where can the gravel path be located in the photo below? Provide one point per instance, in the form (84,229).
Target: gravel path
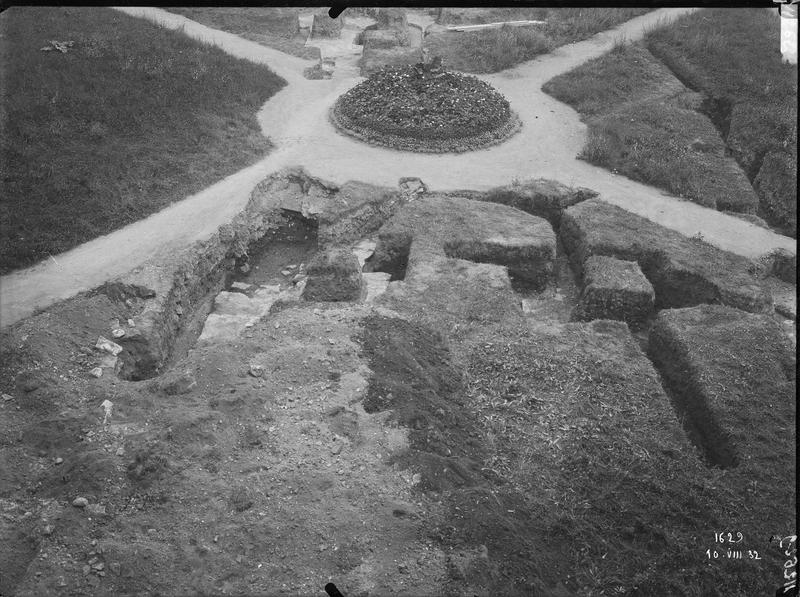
(296,120)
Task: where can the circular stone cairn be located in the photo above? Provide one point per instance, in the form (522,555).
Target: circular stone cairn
(426,109)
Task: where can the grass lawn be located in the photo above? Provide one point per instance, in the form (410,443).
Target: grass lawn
(733,56)
(131,118)
(492,50)
(645,124)
(273,27)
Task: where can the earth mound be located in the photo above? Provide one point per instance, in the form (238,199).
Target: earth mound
(426,109)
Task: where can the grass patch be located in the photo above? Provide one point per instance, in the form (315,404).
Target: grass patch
(642,123)
(629,73)
(591,441)
(131,118)
(277,28)
(733,57)
(496,49)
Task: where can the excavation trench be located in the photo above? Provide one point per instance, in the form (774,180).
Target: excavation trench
(271,263)
(238,283)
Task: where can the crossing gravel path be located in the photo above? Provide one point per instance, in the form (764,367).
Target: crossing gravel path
(296,121)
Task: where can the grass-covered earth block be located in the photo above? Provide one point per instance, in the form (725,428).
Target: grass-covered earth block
(732,374)
(683,271)
(437,228)
(614,289)
(415,108)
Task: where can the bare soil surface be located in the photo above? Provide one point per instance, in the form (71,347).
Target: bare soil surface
(296,120)
(455,435)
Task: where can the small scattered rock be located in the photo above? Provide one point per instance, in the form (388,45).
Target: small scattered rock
(7,397)
(29,381)
(412,186)
(402,569)
(98,566)
(336,448)
(86,569)
(115,568)
(109,346)
(256,370)
(47,530)
(241,286)
(286,272)
(59,460)
(120,451)
(109,362)
(96,509)
(244,268)
(107,407)
(131,323)
(118,332)
(80,502)
(96,372)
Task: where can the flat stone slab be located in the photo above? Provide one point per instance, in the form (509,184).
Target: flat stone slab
(375,284)
(732,374)
(233,312)
(683,271)
(614,289)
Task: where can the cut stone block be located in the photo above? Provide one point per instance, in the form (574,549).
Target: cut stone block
(334,275)
(615,289)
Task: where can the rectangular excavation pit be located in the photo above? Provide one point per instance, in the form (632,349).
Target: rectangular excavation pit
(530,266)
(291,242)
(390,256)
(252,251)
